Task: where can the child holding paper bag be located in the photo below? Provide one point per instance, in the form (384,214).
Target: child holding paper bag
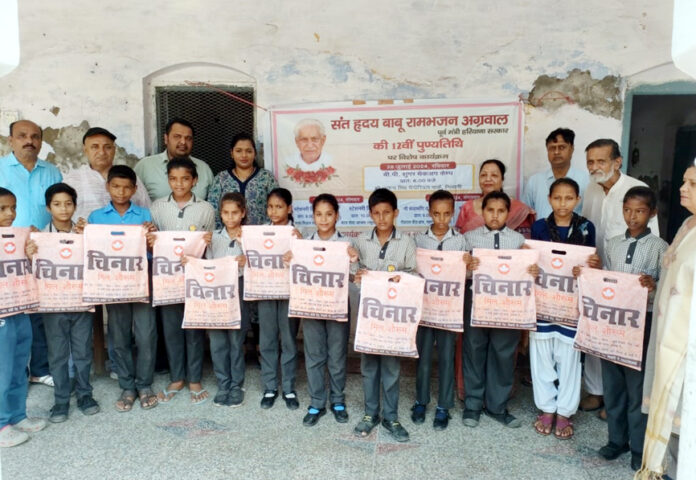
(488,354)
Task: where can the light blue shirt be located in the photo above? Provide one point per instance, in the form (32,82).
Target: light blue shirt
(536,193)
(108,215)
(29,188)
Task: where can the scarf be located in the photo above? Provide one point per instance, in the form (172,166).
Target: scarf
(577,232)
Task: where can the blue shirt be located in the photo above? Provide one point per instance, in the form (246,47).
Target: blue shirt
(540,231)
(108,215)
(536,193)
(29,188)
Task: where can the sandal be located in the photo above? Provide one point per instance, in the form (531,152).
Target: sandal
(564,428)
(147,398)
(196,397)
(166,395)
(544,423)
(125,401)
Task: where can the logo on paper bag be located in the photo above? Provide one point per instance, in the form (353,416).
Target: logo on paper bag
(436,269)
(504,268)
(608,293)
(268,244)
(391,293)
(9,248)
(557,263)
(65,253)
(117,245)
(178,250)
(318,260)
(209,277)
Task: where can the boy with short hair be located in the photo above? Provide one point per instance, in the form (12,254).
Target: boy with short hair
(638,251)
(439,236)
(182,210)
(127,320)
(383,249)
(15,347)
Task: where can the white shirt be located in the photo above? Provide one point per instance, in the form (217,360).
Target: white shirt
(606,210)
(92,194)
(296,161)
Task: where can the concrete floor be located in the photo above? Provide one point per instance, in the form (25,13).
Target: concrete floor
(183,441)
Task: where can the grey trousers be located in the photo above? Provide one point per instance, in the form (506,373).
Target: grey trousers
(140,319)
(381,370)
(66,334)
(325,345)
(184,346)
(274,323)
(623,396)
(425,339)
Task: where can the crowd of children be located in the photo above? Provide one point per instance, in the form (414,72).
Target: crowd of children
(488,354)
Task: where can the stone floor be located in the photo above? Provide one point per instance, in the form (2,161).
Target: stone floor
(183,441)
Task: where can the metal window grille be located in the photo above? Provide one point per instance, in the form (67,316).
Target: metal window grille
(215,117)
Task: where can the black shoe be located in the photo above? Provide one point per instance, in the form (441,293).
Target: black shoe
(235,397)
(397,431)
(611,451)
(291,400)
(441,419)
(88,405)
(636,461)
(418,415)
(505,418)
(59,413)
(313,416)
(269,397)
(220,399)
(365,426)
(339,412)
(470,418)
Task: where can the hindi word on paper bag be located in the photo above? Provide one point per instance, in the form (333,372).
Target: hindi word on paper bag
(115,264)
(212,294)
(319,280)
(503,290)
(445,277)
(389,314)
(18,291)
(556,288)
(167,271)
(613,306)
(265,275)
(58,268)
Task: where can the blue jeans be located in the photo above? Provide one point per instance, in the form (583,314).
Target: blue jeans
(38,365)
(15,348)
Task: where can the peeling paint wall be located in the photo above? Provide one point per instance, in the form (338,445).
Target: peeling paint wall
(85,65)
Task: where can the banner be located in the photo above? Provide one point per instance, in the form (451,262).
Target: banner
(613,306)
(412,148)
(443,299)
(389,314)
(556,288)
(18,291)
(319,280)
(167,271)
(265,274)
(58,268)
(503,290)
(212,294)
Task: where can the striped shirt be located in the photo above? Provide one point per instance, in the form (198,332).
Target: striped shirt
(336,237)
(398,254)
(451,241)
(195,215)
(224,246)
(484,237)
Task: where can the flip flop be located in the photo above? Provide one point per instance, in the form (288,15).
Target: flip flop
(195,397)
(545,421)
(561,424)
(147,396)
(167,395)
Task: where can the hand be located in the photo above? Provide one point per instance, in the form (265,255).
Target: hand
(32,228)
(594,261)
(467,259)
(353,254)
(577,271)
(296,233)
(647,281)
(533,270)
(358,276)
(287,258)
(208,238)
(80,225)
(149,226)
(474,263)
(241,260)
(184,259)
(150,237)
(30,248)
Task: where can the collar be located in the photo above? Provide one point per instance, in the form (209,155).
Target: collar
(490,230)
(14,162)
(449,234)
(191,200)
(53,228)
(642,235)
(334,237)
(393,235)
(110,208)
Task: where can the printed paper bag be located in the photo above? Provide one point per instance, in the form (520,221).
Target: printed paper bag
(389,313)
(612,316)
(212,294)
(167,271)
(556,289)
(265,275)
(58,269)
(443,297)
(18,291)
(503,290)
(319,280)
(115,264)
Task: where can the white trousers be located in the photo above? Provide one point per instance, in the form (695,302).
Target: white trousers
(593,375)
(551,360)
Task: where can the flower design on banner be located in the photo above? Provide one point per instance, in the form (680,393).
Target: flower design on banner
(310,178)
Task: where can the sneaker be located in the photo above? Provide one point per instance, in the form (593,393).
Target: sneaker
(365,426)
(313,416)
(441,419)
(220,399)
(59,413)
(636,461)
(113,375)
(611,451)
(470,418)
(269,397)
(11,437)
(30,425)
(44,380)
(506,418)
(235,398)
(418,415)
(339,412)
(291,400)
(88,405)
(397,431)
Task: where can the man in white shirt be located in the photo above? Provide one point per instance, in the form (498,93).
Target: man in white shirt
(603,206)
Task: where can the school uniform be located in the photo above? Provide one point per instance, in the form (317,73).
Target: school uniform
(15,348)
(623,386)
(427,337)
(227,345)
(398,254)
(185,347)
(326,345)
(488,354)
